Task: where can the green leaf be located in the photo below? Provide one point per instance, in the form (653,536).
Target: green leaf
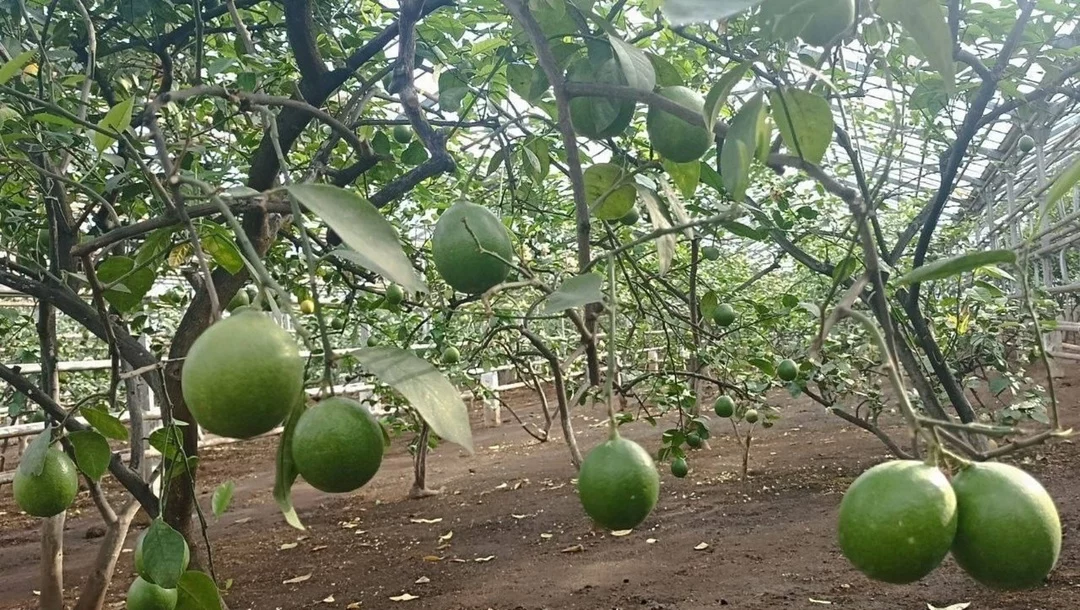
(636,67)
(708,305)
(718,95)
(686,176)
(92,452)
(789,301)
(1063,183)
(117,119)
(219,502)
(197,591)
(746,231)
(125,294)
(105,423)
(166,441)
(285,473)
(452,89)
(924,20)
(415,154)
(13,67)
(941,269)
(541,152)
(157,243)
(530,82)
(667,75)
(740,146)
(998,385)
(845,268)
(805,121)
(33,459)
(163,554)
(685,12)
(223,250)
(764,365)
(577,291)
(374,241)
(424,387)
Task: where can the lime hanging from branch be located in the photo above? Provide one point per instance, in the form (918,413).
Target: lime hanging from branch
(618,484)
(471,248)
(337,445)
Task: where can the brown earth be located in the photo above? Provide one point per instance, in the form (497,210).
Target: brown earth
(509,534)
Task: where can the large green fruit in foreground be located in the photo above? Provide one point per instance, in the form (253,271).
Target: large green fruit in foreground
(787,370)
(53,490)
(599,117)
(724,315)
(144,595)
(829,19)
(337,445)
(463,236)
(618,484)
(1009,533)
(242,376)
(897,521)
(674,138)
(724,406)
(140,567)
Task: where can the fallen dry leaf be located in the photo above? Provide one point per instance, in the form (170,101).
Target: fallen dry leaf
(619,533)
(318,548)
(960,606)
(293,581)
(432,558)
(701,546)
(426,521)
(577,548)
(484,559)
(288,545)
(244,520)
(820,601)
(446,536)
(329,599)
(546,535)
(651,541)
(423,580)
(353,606)
(404,597)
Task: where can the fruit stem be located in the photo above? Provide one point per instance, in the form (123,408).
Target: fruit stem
(611,347)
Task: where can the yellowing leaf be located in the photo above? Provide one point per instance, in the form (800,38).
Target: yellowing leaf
(298,579)
(404,597)
(701,546)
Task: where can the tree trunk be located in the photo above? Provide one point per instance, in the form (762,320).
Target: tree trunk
(97,583)
(52,563)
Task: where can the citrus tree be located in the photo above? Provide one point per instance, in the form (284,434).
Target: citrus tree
(636,203)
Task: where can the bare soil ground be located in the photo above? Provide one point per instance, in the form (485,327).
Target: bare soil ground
(509,533)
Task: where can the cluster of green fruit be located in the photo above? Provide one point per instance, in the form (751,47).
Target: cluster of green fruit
(144,593)
(243,376)
(899,519)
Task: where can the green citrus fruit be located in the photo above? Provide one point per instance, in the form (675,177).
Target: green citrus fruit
(462,243)
(679,467)
(242,376)
(451,355)
(394,295)
(403,134)
(618,484)
(631,218)
(1026,143)
(751,416)
(694,440)
(53,490)
(830,19)
(372,341)
(609,190)
(145,595)
(307,307)
(724,406)
(674,138)
(724,314)
(140,568)
(240,299)
(711,253)
(897,521)
(787,370)
(1009,534)
(599,117)
(337,445)
(337,323)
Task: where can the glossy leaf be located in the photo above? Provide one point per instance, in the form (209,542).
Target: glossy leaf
(105,423)
(944,268)
(718,95)
(126,283)
(197,591)
(163,551)
(373,240)
(117,119)
(285,472)
(924,20)
(577,291)
(15,65)
(219,502)
(805,121)
(740,147)
(92,452)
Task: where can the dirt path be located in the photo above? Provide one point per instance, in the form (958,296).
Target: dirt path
(509,534)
